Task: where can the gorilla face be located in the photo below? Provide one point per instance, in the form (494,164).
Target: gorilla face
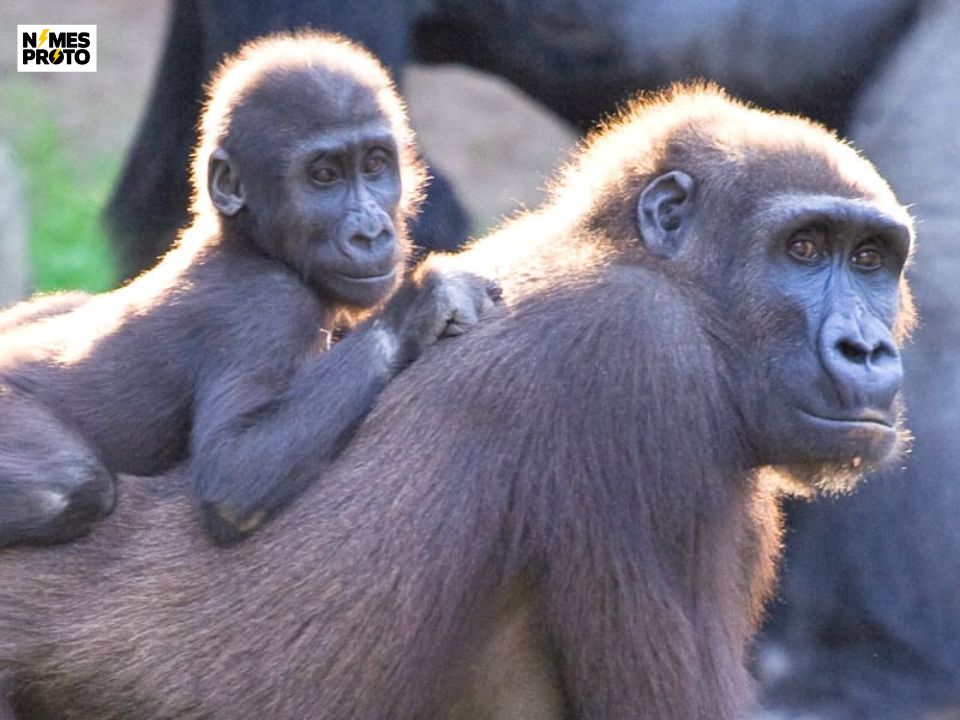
(832,276)
(328,209)
(814,283)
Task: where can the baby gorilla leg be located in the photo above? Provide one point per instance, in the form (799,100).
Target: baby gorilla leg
(52,485)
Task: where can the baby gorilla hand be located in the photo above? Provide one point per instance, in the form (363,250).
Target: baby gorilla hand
(456,300)
(437,302)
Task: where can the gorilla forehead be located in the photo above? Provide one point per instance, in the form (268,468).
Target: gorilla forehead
(722,143)
(301,101)
(301,83)
(716,139)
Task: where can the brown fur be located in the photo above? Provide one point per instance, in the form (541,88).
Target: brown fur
(557,515)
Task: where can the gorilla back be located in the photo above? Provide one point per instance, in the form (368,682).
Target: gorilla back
(571,515)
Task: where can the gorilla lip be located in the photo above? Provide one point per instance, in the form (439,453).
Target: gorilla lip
(366,278)
(867,419)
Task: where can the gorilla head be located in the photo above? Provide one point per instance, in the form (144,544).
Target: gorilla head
(306,153)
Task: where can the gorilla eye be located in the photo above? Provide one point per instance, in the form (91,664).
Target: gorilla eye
(324,175)
(804,245)
(867,257)
(374,163)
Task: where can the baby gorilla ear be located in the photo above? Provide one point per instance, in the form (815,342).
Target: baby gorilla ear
(665,213)
(223,183)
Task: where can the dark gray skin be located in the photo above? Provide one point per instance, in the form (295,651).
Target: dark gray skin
(218,356)
(849,254)
(563,513)
(580,58)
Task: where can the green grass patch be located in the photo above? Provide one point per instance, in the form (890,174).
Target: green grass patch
(68,247)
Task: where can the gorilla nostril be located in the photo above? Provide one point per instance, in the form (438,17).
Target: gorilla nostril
(883,352)
(852,351)
(361,241)
(365,241)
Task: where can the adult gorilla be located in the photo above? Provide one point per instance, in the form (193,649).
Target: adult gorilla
(578,522)
(578,58)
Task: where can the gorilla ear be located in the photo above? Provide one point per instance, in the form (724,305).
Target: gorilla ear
(223,183)
(665,213)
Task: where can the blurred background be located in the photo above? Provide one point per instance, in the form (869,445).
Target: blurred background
(866,625)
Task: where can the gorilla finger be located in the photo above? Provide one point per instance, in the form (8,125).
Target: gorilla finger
(494,291)
(452,329)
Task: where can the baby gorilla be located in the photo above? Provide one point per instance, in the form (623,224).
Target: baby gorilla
(304,182)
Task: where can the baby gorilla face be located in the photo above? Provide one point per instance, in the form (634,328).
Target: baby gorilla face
(333,215)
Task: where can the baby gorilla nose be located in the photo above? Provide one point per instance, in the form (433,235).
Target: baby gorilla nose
(368,242)
(368,238)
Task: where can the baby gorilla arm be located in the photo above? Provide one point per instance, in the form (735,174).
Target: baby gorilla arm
(253,450)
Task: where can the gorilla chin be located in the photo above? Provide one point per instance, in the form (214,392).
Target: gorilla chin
(836,452)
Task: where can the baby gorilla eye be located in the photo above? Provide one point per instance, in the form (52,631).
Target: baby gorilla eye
(867,257)
(324,174)
(375,162)
(804,245)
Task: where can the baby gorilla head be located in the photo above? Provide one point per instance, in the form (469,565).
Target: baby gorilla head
(307,155)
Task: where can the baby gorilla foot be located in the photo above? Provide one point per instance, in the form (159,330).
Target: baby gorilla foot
(226,525)
(53,504)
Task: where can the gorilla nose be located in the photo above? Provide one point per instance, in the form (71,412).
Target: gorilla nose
(368,233)
(366,242)
(861,357)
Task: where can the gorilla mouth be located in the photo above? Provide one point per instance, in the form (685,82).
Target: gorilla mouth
(874,420)
(366,279)
(863,436)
